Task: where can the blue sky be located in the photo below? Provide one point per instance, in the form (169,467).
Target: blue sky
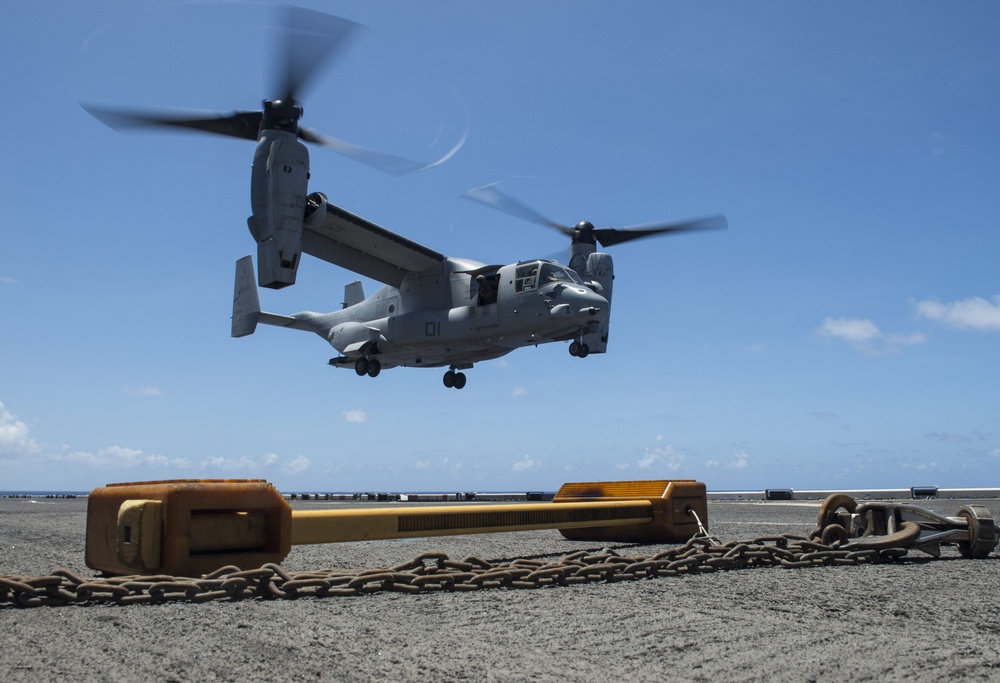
(844,332)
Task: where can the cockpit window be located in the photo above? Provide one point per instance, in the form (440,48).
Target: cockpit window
(553,273)
(538,274)
(526,277)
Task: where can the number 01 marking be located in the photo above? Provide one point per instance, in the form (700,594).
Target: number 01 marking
(432,329)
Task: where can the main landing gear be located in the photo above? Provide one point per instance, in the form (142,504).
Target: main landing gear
(368,366)
(579,349)
(454,379)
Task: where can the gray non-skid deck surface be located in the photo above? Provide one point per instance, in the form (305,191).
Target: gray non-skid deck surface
(918,621)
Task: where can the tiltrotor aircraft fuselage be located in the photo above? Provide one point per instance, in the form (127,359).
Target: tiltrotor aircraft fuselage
(435,311)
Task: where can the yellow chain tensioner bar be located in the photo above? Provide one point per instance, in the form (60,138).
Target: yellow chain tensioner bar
(193,527)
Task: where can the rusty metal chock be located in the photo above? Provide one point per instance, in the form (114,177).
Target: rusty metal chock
(883,525)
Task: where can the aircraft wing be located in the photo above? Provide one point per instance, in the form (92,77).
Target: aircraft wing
(357,244)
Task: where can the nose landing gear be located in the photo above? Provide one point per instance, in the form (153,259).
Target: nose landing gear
(579,349)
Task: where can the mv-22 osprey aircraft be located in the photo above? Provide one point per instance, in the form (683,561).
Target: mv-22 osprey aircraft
(434,311)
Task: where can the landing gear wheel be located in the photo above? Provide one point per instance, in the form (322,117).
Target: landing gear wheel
(454,380)
(574,349)
(361,367)
(584,351)
(374,367)
(982,531)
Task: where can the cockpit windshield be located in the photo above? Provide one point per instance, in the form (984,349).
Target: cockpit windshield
(553,273)
(540,273)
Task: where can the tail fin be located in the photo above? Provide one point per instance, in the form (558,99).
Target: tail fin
(354,293)
(246,303)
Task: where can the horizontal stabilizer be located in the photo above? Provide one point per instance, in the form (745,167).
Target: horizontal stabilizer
(286,321)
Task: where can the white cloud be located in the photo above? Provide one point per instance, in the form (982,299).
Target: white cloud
(975,313)
(931,466)
(164,461)
(852,330)
(143,391)
(7,280)
(865,335)
(740,461)
(14,439)
(18,448)
(355,415)
(120,457)
(647,460)
(120,453)
(519,392)
(245,465)
(661,457)
(526,463)
(299,463)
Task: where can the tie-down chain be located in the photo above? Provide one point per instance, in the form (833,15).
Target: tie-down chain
(847,534)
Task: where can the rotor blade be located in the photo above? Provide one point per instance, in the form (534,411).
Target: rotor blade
(240,124)
(491,196)
(310,38)
(611,236)
(388,163)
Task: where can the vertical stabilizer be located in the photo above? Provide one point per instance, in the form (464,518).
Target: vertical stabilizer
(354,293)
(246,303)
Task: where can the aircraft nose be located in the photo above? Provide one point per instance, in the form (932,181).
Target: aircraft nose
(586,302)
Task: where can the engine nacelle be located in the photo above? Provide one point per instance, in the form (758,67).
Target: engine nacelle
(600,269)
(278,188)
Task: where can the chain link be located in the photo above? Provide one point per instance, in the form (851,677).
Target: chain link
(432,572)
